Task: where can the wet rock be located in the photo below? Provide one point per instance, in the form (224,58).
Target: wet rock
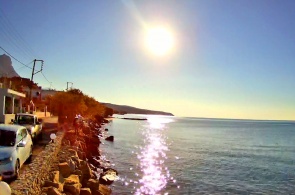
(108,177)
(94,162)
(110,138)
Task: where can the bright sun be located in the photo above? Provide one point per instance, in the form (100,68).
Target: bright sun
(159,41)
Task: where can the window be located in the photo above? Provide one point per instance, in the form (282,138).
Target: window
(24,133)
(25,119)
(7,138)
(19,136)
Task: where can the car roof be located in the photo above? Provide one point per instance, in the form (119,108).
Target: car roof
(25,114)
(11,127)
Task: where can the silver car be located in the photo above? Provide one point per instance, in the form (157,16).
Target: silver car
(16,147)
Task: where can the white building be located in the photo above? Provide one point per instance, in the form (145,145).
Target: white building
(10,104)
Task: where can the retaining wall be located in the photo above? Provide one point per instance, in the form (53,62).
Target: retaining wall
(31,181)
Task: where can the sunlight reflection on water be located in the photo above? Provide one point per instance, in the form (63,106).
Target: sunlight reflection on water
(152,158)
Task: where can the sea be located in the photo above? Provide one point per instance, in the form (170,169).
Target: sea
(175,155)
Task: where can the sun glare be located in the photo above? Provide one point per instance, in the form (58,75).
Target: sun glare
(159,41)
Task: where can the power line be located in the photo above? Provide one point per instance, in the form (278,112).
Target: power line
(45,78)
(15,58)
(11,31)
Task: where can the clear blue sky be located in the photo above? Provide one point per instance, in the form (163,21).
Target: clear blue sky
(232,59)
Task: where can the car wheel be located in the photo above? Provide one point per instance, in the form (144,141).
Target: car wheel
(17,168)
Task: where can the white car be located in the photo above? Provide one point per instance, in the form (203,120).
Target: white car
(16,147)
(31,122)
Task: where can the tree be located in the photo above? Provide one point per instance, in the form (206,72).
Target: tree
(73,102)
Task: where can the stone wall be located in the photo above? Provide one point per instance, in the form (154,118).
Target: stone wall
(32,179)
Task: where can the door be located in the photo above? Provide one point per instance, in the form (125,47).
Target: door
(20,150)
(28,143)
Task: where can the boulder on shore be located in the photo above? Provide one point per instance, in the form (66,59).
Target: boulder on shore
(110,138)
(108,176)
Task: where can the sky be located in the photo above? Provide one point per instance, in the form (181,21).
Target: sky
(231,59)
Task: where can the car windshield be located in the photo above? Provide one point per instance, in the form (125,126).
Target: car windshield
(25,119)
(7,138)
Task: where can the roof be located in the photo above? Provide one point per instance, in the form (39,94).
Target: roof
(26,114)
(10,127)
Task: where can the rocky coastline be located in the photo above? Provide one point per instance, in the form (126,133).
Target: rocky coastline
(71,165)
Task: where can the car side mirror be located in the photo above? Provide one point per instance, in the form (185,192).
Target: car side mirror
(39,122)
(21,144)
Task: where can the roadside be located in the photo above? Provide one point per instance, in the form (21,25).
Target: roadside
(49,125)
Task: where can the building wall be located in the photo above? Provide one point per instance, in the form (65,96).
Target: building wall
(5,117)
(2,116)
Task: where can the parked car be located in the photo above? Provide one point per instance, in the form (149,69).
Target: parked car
(31,122)
(16,147)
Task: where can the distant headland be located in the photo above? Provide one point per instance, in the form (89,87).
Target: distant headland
(123,109)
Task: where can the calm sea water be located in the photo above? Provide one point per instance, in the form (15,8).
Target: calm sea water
(170,155)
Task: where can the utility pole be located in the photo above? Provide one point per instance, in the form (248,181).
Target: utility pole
(68,85)
(33,73)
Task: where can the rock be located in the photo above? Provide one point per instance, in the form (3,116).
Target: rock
(94,140)
(108,177)
(64,169)
(54,176)
(86,130)
(74,189)
(73,152)
(79,173)
(57,185)
(72,179)
(110,138)
(81,155)
(76,160)
(72,165)
(51,191)
(84,167)
(104,190)
(85,191)
(93,184)
(92,150)
(94,162)
(106,129)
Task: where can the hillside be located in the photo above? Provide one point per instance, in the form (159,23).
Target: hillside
(123,109)
(6,68)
